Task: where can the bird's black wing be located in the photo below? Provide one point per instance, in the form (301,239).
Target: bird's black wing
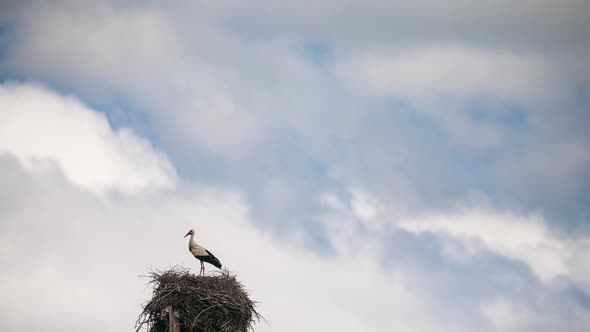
(211,259)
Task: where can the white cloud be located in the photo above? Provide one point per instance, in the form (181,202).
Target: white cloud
(522,237)
(351,223)
(473,227)
(88,253)
(364,205)
(40,126)
(504,316)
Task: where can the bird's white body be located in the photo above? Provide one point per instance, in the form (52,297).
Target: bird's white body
(196,249)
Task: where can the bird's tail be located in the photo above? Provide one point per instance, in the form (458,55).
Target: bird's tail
(216,262)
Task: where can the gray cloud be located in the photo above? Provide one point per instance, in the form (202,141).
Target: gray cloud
(244,102)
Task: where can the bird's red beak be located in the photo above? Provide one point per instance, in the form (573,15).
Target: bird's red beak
(187,234)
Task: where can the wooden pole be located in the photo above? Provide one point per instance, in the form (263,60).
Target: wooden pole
(173,325)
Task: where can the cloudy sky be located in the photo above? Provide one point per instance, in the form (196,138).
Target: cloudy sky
(361,166)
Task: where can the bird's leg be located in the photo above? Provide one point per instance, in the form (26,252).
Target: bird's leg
(202,269)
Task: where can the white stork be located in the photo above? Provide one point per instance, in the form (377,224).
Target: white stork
(201,253)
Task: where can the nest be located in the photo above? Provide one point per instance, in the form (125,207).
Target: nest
(185,302)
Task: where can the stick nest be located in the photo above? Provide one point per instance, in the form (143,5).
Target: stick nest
(213,303)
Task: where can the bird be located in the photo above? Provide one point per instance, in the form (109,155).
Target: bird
(201,253)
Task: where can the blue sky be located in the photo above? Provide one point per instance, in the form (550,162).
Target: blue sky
(418,166)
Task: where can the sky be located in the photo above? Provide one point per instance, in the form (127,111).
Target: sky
(361,166)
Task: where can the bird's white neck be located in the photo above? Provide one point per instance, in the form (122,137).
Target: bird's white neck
(191,241)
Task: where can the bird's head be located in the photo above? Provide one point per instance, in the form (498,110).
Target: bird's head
(191,232)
